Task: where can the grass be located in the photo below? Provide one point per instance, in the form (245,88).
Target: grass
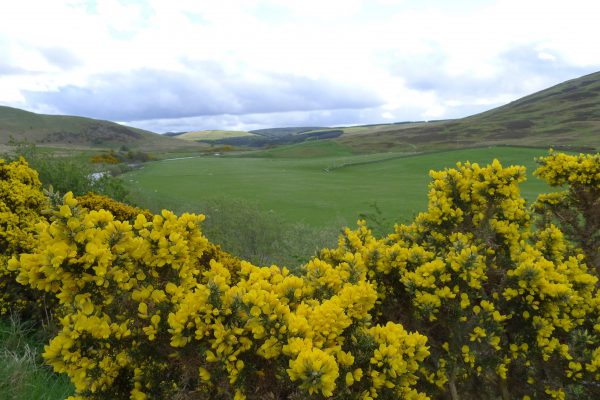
(319,191)
(259,236)
(311,149)
(22,373)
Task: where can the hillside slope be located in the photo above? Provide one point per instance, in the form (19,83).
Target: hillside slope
(564,116)
(70,131)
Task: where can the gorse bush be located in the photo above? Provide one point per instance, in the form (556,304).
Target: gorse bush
(148,314)
(21,205)
(124,155)
(479,297)
(507,311)
(120,211)
(577,209)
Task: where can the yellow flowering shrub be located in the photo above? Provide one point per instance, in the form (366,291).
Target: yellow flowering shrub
(21,205)
(120,211)
(576,209)
(153,310)
(507,310)
(108,158)
(471,300)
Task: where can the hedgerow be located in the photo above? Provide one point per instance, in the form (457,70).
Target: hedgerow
(479,297)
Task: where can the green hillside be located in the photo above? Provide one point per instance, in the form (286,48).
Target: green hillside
(564,116)
(80,132)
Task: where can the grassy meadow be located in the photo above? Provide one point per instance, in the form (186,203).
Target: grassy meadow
(317,183)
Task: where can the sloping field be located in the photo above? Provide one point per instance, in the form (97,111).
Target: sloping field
(320,191)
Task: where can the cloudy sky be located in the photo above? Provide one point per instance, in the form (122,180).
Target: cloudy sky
(182,65)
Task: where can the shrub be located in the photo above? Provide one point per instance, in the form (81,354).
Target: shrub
(576,210)
(470,300)
(21,205)
(65,174)
(153,310)
(120,211)
(108,158)
(123,156)
(507,311)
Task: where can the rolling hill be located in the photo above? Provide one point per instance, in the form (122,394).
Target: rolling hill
(211,135)
(285,131)
(71,131)
(260,138)
(564,116)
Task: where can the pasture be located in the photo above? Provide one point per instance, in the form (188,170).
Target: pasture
(319,183)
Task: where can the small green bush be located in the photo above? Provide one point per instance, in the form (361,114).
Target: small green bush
(68,174)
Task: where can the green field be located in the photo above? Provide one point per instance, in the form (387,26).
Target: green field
(334,188)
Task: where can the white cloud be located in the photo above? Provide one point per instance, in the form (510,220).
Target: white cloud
(422,59)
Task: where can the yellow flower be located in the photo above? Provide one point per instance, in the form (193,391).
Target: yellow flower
(316,370)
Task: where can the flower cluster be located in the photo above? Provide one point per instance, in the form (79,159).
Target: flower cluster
(576,170)
(104,159)
(576,209)
(120,211)
(153,310)
(21,205)
(502,305)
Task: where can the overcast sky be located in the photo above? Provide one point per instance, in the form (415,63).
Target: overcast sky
(178,65)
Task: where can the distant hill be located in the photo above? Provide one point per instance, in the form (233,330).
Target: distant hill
(260,138)
(286,131)
(257,141)
(70,131)
(564,116)
(212,135)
